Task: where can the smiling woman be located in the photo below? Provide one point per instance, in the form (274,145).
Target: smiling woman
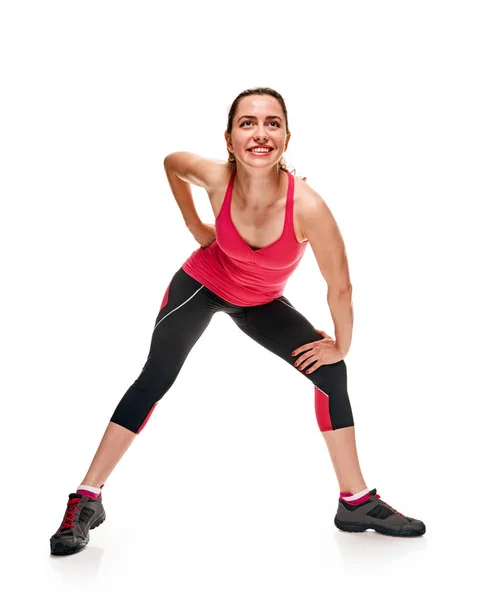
(273,121)
(264,220)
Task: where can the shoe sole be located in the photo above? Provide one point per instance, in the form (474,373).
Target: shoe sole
(60,549)
(360,527)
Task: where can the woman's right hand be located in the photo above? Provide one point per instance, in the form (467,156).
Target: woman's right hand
(204,234)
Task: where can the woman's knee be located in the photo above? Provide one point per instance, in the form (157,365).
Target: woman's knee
(331,376)
(137,404)
(331,398)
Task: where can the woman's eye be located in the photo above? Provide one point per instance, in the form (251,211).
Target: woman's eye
(247,122)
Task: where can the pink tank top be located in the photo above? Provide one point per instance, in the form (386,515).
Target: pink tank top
(237,273)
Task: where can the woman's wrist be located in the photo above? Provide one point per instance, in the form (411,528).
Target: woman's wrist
(342,351)
(193,224)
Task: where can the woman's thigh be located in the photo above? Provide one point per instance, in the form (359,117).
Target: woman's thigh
(280,328)
(185,312)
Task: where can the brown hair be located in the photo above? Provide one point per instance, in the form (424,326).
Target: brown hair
(262,91)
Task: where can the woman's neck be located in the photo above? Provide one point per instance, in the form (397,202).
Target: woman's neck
(257,188)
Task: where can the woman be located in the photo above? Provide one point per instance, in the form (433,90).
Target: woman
(264,218)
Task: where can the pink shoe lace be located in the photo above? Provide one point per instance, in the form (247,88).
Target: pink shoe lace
(389,506)
(70,512)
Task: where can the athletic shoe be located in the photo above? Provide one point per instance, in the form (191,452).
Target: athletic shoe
(82,514)
(376,514)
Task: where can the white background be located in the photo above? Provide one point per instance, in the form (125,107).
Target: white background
(229,491)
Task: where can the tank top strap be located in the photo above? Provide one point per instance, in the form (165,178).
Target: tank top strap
(229,189)
(290,202)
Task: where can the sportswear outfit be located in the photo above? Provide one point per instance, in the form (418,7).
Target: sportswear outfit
(247,284)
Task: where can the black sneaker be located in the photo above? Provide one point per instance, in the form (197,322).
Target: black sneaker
(82,514)
(376,514)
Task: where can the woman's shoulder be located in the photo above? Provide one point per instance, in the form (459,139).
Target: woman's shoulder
(305,196)
(208,173)
(311,210)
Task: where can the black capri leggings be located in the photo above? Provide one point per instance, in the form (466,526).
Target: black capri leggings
(186,310)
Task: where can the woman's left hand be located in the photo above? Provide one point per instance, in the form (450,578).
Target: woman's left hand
(321,352)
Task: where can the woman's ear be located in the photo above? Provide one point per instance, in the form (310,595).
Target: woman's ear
(288,137)
(228,142)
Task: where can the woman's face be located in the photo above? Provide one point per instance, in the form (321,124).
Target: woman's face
(259,122)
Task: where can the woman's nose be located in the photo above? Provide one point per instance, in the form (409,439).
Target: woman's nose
(261,135)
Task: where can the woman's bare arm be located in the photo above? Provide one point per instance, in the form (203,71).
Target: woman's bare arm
(185,168)
(319,226)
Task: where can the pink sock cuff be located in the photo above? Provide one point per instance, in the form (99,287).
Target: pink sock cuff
(357,498)
(87,493)
(90,491)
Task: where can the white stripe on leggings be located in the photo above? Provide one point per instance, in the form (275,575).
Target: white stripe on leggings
(172,311)
(287,304)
